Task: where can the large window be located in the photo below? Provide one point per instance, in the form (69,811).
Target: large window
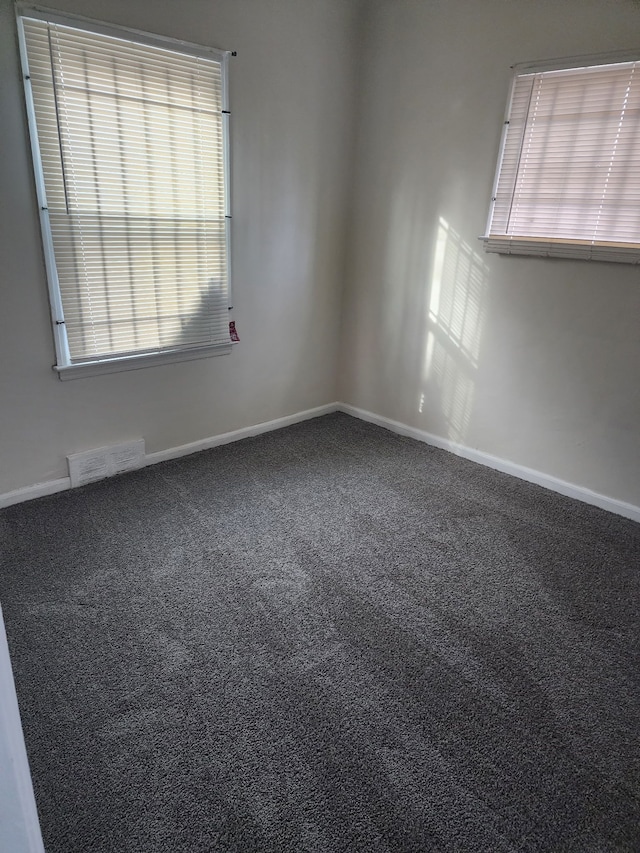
(568,180)
(129,136)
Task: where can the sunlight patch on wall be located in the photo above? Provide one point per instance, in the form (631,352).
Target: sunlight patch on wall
(454,321)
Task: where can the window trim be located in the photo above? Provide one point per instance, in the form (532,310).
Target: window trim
(136,362)
(64,367)
(536,246)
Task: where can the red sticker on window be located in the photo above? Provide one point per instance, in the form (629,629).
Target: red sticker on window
(232,332)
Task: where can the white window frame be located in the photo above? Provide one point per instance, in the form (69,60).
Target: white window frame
(64,367)
(552,246)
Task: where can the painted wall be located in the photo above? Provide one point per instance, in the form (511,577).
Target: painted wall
(535,361)
(19,827)
(291,97)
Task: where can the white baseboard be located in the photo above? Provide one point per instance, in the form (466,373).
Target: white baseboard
(238,434)
(520,471)
(39,490)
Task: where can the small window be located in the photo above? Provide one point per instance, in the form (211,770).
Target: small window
(129,138)
(568,179)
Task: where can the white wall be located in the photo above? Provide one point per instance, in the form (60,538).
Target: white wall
(291,89)
(545,374)
(543,368)
(19,827)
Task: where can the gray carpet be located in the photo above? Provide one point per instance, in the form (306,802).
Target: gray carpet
(327,638)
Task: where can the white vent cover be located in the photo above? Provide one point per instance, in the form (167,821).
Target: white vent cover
(105,462)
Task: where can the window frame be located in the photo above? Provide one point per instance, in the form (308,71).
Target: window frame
(553,246)
(64,367)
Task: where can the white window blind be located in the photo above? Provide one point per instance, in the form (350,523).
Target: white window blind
(568,181)
(131,141)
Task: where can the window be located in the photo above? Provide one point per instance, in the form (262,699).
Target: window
(568,180)
(129,138)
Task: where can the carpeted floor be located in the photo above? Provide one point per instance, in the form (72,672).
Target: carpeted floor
(327,638)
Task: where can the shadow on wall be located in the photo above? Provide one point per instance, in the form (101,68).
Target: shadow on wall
(454,322)
(203,321)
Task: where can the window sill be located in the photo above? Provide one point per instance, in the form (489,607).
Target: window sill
(624,253)
(136,362)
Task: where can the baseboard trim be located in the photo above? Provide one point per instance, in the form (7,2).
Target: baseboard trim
(505,466)
(547,481)
(40,490)
(238,434)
